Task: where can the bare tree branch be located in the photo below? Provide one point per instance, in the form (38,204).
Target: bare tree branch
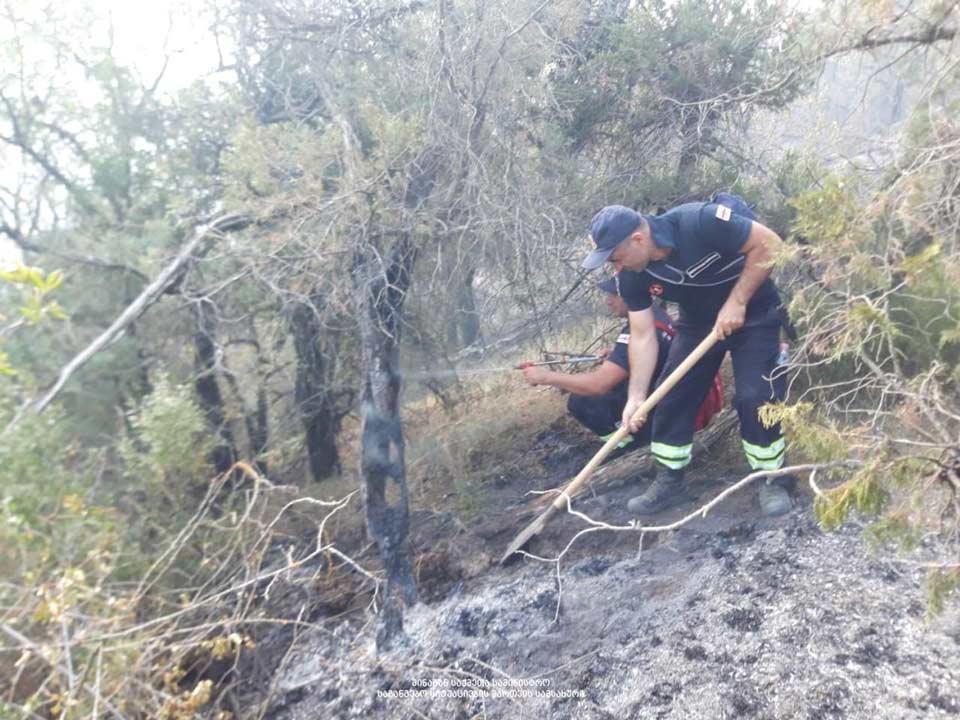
(146,298)
(936,33)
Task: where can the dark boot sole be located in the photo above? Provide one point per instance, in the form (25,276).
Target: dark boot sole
(670,502)
(784,504)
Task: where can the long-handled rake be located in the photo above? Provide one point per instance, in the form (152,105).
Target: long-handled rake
(574,485)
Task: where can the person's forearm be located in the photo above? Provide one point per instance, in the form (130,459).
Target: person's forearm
(643,360)
(755,271)
(579,384)
(758,265)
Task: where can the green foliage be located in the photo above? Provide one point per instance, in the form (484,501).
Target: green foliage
(5,367)
(48,531)
(35,346)
(880,312)
(904,471)
(169,443)
(865,250)
(70,565)
(812,434)
(893,529)
(827,216)
(57,549)
(941,584)
(106,170)
(33,276)
(644,73)
(35,286)
(864,492)
(35,452)
(932,294)
(924,261)
(773,191)
(277,167)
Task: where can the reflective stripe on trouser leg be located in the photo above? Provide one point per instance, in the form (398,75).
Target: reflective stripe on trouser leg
(672,437)
(675,457)
(769,457)
(623,443)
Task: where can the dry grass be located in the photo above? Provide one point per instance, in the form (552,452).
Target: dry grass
(459,459)
(455,456)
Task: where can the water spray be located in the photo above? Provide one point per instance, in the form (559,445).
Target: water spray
(454,373)
(562,360)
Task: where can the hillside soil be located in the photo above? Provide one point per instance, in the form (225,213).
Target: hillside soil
(734,615)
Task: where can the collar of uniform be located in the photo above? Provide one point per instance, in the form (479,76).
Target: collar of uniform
(662,230)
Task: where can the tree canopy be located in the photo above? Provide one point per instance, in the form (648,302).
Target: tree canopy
(231,294)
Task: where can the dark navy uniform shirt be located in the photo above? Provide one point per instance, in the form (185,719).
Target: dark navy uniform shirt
(620,355)
(704,265)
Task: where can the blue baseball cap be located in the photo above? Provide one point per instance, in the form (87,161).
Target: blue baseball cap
(609,227)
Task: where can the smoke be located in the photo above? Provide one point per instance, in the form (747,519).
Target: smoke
(453,374)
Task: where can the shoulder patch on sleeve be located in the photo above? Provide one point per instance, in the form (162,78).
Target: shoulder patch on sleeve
(723,212)
(623,338)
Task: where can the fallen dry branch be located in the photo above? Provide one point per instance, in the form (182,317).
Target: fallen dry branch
(699,513)
(146,298)
(227,606)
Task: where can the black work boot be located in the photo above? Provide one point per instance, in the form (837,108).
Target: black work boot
(774,495)
(667,489)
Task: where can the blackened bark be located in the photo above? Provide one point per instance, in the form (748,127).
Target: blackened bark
(312,392)
(463,324)
(255,421)
(467,316)
(381,293)
(260,435)
(224,453)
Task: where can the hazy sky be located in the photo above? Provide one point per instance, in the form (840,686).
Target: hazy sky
(143,35)
(145,31)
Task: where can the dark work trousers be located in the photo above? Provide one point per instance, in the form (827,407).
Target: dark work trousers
(754,349)
(602,413)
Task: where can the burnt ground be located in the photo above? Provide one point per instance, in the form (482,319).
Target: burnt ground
(735,615)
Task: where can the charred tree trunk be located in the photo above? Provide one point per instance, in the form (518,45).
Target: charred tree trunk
(467,311)
(260,436)
(463,325)
(312,393)
(381,284)
(224,454)
(256,421)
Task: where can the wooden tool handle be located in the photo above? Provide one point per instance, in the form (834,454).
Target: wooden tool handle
(682,369)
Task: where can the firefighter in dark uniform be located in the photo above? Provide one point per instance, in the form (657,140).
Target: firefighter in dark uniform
(714,260)
(597,398)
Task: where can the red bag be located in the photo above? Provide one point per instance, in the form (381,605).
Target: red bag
(711,405)
(713,402)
